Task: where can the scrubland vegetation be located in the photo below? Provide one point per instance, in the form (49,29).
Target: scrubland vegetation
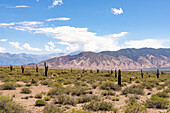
(26,90)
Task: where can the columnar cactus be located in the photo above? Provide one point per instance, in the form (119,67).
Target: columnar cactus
(71,70)
(97,70)
(141,73)
(22,67)
(11,67)
(111,71)
(119,77)
(91,71)
(130,79)
(36,68)
(157,74)
(115,73)
(83,70)
(46,68)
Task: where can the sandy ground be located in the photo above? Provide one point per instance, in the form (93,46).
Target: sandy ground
(29,104)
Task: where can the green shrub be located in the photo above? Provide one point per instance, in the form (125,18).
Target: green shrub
(47,98)
(88,98)
(66,100)
(50,108)
(105,93)
(39,95)
(109,85)
(115,99)
(45,82)
(40,102)
(162,94)
(78,111)
(136,108)
(135,89)
(26,91)
(97,106)
(7,105)
(8,86)
(157,102)
(94,85)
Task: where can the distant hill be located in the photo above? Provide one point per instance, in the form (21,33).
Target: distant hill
(20,59)
(124,59)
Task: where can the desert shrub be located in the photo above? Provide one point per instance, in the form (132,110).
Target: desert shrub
(88,98)
(157,102)
(162,94)
(45,82)
(109,92)
(50,108)
(131,100)
(26,91)
(56,91)
(150,83)
(66,100)
(78,111)
(47,98)
(39,95)
(94,85)
(78,91)
(7,105)
(40,102)
(134,89)
(109,85)
(8,86)
(28,85)
(97,106)
(115,99)
(136,108)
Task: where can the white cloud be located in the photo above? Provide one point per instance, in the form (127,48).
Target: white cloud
(51,47)
(54,19)
(16,45)
(24,23)
(152,43)
(37,0)
(3,40)
(28,47)
(75,39)
(21,6)
(117,11)
(56,2)
(2,49)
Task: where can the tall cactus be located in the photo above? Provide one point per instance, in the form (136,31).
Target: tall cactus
(115,73)
(11,67)
(46,68)
(97,70)
(119,77)
(157,74)
(22,67)
(36,68)
(141,73)
(111,71)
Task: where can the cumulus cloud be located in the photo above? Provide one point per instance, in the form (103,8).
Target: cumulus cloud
(54,19)
(2,49)
(151,43)
(3,40)
(16,45)
(117,11)
(74,38)
(28,47)
(56,2)
(51,47)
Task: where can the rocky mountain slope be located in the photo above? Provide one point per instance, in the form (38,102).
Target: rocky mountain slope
(124,59)
(20,59)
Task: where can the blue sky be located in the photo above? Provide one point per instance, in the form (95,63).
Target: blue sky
(55,26)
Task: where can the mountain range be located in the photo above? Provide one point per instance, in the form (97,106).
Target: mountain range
(21,59)
(125,59)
